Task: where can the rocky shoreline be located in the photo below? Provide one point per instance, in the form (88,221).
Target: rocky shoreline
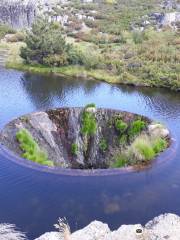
(163,227)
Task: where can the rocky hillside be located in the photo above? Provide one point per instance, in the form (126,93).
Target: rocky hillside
(82,14)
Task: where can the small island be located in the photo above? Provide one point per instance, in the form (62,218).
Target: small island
(86,138)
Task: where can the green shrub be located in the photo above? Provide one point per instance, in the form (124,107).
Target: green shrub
(75,56)
(136,128)
(123,139)
(5,29)
(74,149)
(43,41)
(17,37)
(159,145)
(30,148)
(103,145)
(56,60)
(120,125)
(120,161)
(138,37)
(90,105)
(89,125)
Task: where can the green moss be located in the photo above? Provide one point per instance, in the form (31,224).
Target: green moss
(103,145)
(120,125)
(159,145)
(123,139)
(30,148)
(74,149)
(119,161)
(136,128)
(89,124)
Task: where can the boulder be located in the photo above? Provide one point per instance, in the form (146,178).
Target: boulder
(165,226)
(126,232)
(158,130)
(51,236)
(94,231)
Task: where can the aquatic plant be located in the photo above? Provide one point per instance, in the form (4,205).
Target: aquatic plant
(30,148)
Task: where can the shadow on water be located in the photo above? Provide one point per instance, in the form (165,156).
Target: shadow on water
(34,200)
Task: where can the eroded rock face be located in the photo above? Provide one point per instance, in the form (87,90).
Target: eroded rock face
(165,226)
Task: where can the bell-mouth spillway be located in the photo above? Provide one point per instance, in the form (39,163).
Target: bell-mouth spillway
(63,134)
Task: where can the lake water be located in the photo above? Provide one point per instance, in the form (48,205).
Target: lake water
(33,200)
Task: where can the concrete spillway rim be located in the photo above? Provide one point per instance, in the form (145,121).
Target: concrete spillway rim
(162,158)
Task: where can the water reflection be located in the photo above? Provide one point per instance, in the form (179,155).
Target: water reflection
(46,91)
(34,200)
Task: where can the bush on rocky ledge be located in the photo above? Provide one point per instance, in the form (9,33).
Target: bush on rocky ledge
(30,148)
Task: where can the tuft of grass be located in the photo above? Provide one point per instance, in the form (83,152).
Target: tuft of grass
(123,139)
(103,145)
(144,148)
(74,149)
(30,148)
(159,145)
(120,125)
(120,160)
(136,128)
(89,124)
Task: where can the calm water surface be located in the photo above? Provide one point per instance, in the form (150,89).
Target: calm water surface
(34,200)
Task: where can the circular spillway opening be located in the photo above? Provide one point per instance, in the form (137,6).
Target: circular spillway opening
(85,139)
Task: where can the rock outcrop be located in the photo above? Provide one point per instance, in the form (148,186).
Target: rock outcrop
(16,13)
(165,226)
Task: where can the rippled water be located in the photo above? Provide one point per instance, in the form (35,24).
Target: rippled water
(34,200)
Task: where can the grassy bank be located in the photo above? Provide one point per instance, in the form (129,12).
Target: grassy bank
(141,71)
(70,71)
